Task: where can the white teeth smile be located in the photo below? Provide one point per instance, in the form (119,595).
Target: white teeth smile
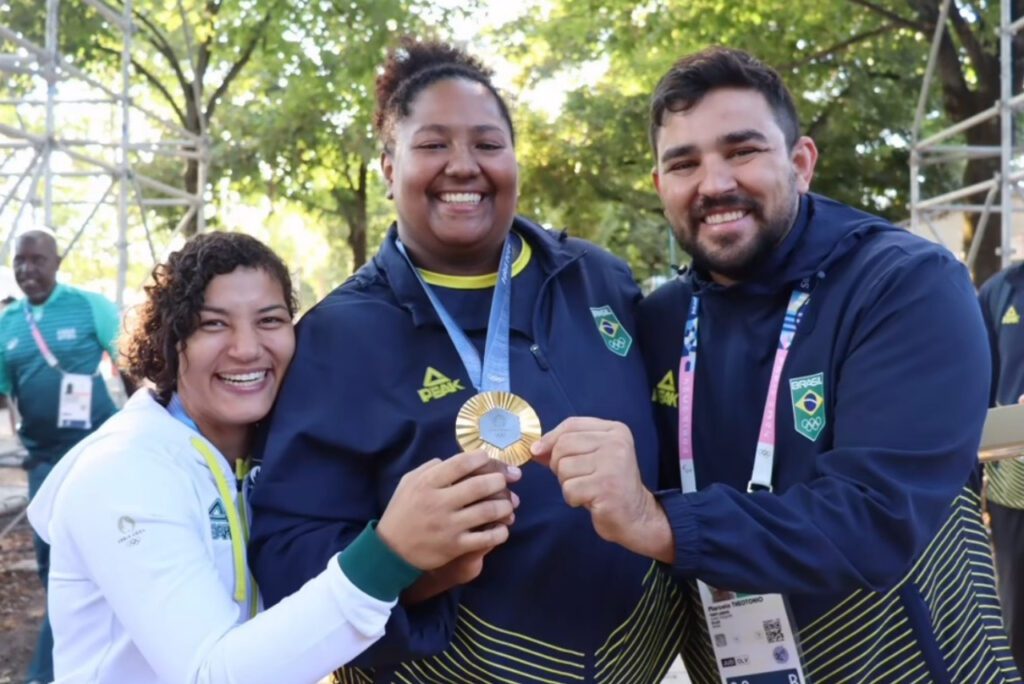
(243,379)
(726,217)
(461,197)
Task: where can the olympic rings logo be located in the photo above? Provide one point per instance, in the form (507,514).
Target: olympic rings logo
(812,424)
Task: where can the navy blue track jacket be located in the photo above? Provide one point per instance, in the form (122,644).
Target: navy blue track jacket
(373,392)
(873,530)
(1002,305)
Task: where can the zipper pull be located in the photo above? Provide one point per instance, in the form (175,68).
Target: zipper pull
(539,356)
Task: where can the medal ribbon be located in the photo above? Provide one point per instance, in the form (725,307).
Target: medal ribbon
(44,348)
(493,373)
(764,456)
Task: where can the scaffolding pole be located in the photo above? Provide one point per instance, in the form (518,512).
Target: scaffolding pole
(122,167)
(51,97)
(1006,130)
(43,158)
(936,151)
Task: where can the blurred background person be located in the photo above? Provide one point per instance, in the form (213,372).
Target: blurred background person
(51,344)
(1002,302)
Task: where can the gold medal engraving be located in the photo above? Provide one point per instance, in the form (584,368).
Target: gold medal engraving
(500,423)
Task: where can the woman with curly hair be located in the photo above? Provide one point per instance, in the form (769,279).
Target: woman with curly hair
(470,325)
(148,518)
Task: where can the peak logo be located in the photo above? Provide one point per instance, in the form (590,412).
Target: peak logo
(666,393)
(437,385)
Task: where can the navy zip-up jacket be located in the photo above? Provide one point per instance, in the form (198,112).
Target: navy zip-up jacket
(373,392)
(885,578)
(1002,304)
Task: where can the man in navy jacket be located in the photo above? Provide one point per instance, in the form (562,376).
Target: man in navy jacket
(827,436)
(1002,300)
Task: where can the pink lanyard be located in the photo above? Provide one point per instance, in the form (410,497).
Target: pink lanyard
(44,348)
(764,458)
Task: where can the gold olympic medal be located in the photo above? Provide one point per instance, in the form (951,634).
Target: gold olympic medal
(500,423)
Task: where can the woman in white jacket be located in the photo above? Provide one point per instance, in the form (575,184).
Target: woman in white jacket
(147,517)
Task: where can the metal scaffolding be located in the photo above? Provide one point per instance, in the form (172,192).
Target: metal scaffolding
(52,161)
(992,196)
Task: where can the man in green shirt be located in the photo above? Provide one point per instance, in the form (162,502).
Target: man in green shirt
(51,344)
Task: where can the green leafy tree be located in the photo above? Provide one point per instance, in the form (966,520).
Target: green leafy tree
(283,90)
(854,66)
(311,140)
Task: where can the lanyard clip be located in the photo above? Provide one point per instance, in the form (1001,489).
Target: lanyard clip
(758,487)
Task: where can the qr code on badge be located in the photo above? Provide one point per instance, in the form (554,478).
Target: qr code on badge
(773,631)
(721,641)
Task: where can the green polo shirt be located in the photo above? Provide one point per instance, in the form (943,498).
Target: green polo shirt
(78,326)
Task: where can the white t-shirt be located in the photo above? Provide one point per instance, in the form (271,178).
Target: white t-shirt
(142,572)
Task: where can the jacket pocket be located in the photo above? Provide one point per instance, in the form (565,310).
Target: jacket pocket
(920,620)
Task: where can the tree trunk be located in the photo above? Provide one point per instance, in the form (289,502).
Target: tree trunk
(356,217)
(192,188)
(191,178)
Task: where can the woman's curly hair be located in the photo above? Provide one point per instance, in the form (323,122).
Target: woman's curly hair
(413,66)
(173,301)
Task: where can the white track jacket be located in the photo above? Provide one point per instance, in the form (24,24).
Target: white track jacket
(142,576)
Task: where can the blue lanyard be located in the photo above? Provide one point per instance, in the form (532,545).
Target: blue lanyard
(493,373)
(177,409)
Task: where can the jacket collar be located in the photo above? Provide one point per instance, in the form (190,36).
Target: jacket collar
(1015,276)
(548,252)
(58,290)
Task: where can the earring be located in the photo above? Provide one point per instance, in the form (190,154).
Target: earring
(390,195)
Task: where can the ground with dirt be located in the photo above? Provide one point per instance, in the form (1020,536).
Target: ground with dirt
(21,601)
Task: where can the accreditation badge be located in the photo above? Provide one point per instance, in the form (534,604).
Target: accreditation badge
(501,423)
(752,637)
(74,410)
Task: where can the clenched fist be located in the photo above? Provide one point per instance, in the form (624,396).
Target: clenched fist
(595,462)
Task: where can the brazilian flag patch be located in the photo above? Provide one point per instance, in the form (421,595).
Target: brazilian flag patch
(808,394)
(615,336)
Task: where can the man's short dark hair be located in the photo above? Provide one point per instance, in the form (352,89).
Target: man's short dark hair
(696,75)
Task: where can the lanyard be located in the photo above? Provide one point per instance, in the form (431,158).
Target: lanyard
(44,348)
(493,373)
(764,457)
(238,524)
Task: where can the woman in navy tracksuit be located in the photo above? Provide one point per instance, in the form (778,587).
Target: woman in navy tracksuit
(376,385)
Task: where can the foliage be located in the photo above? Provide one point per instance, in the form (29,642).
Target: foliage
(306,134)
(855,69)
(283,89)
